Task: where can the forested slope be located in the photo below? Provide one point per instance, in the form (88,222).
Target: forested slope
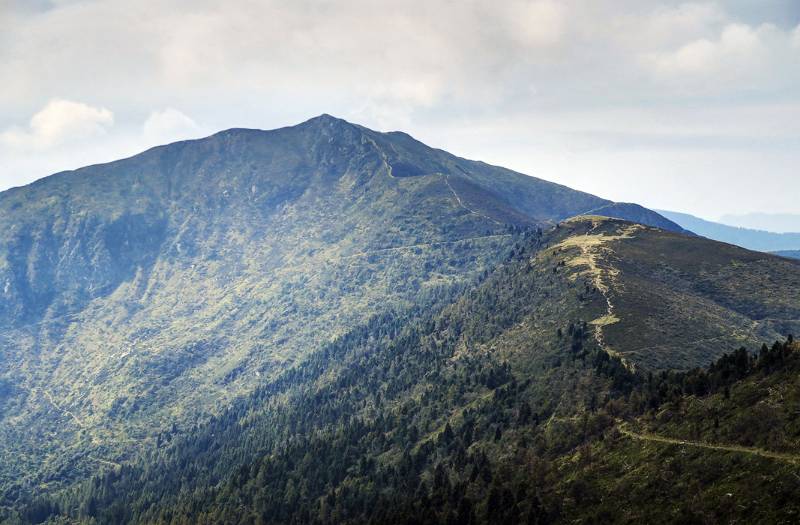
(498,403)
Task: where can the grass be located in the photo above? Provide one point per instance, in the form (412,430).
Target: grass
(676,298)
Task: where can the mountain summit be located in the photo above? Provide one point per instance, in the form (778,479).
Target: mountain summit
(156,289)
(76,236)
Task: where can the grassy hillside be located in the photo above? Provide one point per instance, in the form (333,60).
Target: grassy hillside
(673,300)
(376,403)
(714,446)
(500,403)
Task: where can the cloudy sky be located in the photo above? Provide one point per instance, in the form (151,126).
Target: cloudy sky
(690,106)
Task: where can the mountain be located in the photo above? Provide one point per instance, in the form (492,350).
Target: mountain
(327,324)
(776,222)
(152,292)
(508,401)
(794,254)
(764,241)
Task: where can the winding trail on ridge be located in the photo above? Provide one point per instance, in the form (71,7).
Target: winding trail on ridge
(791,458)
(461,203)
(590,246)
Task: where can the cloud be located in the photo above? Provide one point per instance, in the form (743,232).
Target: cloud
(536,24)
(740,51)
(413,55)
(737,44)
(168,125)
(59,122)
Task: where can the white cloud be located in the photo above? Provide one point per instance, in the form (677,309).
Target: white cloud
(739,51)
(538,23)
(695,57)
(169,125)
(670,24)
(59,122)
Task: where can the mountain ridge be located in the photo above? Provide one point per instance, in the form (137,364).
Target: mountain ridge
(760,240)
(321,123)
(514,199)
(792,254)
(776,222)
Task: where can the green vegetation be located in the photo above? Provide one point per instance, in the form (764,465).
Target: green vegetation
(156,290)
(678,298)
(720,445)
(496,404)
(324,324)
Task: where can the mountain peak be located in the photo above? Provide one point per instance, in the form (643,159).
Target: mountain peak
(325,119)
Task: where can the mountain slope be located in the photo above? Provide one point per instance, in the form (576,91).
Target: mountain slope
(721,445)
(672,298)
(153,291)
(747,238)
(498,404)
(635,213)
(392,387)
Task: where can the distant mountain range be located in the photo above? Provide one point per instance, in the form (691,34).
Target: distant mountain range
(764,241)
(794,254)
(774,222)
(327,324)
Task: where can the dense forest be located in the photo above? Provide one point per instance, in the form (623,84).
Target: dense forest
(490,404)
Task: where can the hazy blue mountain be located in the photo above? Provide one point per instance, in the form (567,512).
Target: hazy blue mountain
(794,254)
(764,241)
(774,222)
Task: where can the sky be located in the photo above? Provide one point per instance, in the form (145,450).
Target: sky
(687,106)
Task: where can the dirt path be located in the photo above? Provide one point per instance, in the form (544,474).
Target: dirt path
(461,203)
(591,247)
(62,409)
(791,458)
